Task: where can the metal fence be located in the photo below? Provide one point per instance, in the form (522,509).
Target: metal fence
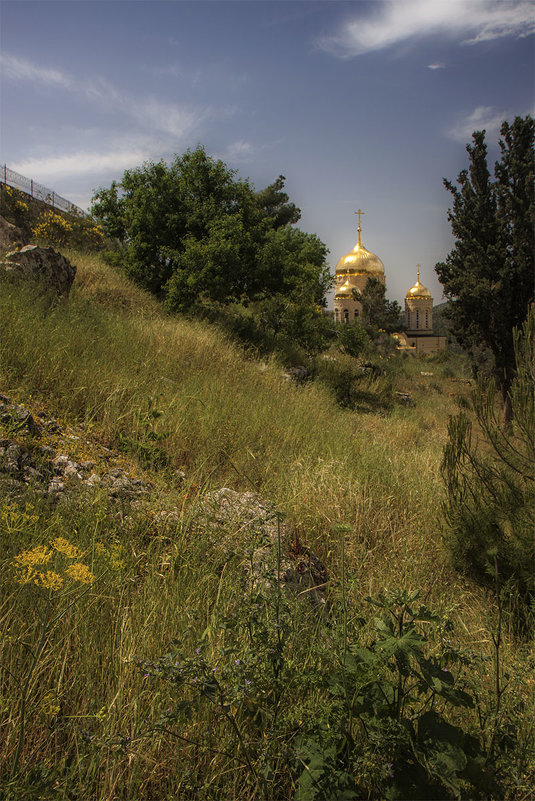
(38,191)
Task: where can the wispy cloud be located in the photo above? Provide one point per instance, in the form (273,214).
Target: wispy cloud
(150,112)
(482,118)
(438,66)
(20,70)
(81,163)
(240,150)
(393,22)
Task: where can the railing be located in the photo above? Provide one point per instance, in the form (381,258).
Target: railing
(38,191)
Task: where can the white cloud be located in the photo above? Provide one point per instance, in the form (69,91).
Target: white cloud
(20,70)
(394,21)
(80,163)
(438,66)
(482,118)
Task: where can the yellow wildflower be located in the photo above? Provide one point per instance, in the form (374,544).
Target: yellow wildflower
(49,580)
(80,572)
(65,547)
(26,574)
(39,555)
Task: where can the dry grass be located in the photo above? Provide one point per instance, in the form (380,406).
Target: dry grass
(98,362)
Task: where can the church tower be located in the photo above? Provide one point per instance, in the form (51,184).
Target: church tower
(418,309)
(352,273)
(419,336)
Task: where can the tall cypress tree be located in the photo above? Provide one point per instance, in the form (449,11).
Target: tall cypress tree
(488,276)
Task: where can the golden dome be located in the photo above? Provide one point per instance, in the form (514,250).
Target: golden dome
(360,261)
(418,290)
(345,291)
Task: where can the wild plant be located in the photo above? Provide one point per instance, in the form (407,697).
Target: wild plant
(55,579)
(384,732)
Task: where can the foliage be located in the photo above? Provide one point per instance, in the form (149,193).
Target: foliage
(194,233)
(94,364)
(352,338)
(60,230)
(490,504)
(379,314)
(381,729)
(13,205)
(488,276)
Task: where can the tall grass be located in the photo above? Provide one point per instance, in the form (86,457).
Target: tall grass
(100,362)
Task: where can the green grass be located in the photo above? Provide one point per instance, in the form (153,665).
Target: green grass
(100,363)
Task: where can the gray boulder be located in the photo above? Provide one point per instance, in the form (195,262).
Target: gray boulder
(242,521)
(9,234)
(43,265)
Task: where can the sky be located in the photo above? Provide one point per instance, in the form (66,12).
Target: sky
(364,104)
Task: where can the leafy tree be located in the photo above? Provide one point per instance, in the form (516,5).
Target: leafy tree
(353,338)
(488,276)
(377,311)
(196,234)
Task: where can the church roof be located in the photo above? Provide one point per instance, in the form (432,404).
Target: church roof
(360,261)
(418,290)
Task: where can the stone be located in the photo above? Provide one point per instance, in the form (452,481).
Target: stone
(235,518)
(43,265)
(9,234)
(298,374)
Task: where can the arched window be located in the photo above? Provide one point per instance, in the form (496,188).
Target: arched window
(417,319)
(336,315)
(356,313)
(427,319)
(346,316)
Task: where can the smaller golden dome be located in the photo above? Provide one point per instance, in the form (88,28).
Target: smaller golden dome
(418,290)
(345,291)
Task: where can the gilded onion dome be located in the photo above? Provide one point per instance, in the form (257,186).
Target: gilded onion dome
(345,291)
(418,290)
(360,261)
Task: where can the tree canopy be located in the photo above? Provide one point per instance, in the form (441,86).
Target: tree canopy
(193,232)
(488,276)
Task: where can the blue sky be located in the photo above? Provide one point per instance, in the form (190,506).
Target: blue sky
(359,104)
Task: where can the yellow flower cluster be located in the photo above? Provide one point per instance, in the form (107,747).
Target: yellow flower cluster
(65,547)
(28,566)
(80,572)
(52,228)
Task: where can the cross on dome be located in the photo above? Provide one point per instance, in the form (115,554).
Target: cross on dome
(359,212)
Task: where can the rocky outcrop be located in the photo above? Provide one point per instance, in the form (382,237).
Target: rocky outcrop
(43,265)
(25,462)
(235,519)
(9,234)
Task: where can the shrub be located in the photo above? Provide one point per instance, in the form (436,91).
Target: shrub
(58,230)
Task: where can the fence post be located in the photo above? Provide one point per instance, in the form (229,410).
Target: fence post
(31,187)
(5,174)
(53,203)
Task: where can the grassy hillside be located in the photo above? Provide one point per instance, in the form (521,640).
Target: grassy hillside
(178,405)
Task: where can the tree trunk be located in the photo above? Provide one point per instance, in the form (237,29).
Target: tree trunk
(505,377)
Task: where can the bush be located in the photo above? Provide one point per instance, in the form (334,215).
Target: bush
(58,230)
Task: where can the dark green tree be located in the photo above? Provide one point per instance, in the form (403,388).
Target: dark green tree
(488,276)
(195,234)
(490,480)
(378,312)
